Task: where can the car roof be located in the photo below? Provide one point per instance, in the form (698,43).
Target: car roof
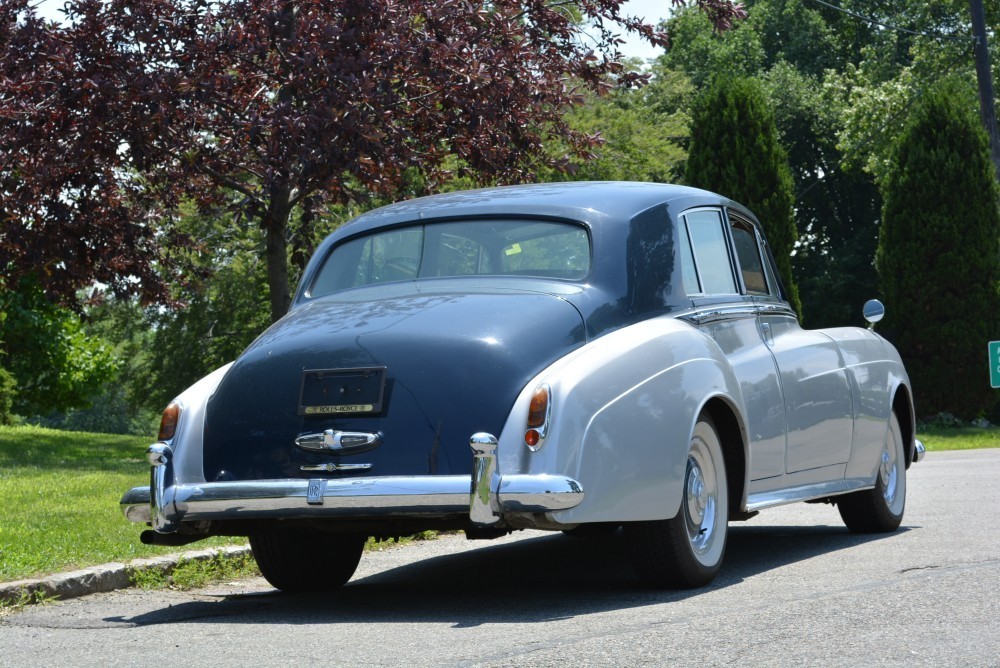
(584,201)
(608,208)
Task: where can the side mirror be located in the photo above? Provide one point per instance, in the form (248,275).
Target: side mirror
(873,311)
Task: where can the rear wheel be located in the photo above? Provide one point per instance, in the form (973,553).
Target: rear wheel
(880,510)
(300,561)
(686,551)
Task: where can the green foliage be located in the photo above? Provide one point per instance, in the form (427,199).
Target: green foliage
(55,363)
(939,256)
(195,573)
(735,152)
(112,411)
(702,53)
(639,143)
(25,596)
(837,210)
(8,387)
(841,89)
(796,32)
(222,311)
(895,69)
(220,308)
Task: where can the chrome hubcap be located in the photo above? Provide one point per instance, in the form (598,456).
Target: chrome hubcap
(889,473)
(700,505)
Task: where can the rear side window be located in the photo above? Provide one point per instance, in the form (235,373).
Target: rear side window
(465,248)
(711,268)
(749,258)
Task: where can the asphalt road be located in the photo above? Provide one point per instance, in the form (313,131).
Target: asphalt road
(796,589)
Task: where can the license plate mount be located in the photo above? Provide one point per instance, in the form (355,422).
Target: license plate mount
(342,391)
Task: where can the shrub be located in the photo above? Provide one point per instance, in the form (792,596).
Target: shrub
(8,389)
(938,257)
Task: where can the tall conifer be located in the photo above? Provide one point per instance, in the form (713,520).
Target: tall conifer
(938,257)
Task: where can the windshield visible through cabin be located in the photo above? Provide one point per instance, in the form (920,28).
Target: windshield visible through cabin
(466,248)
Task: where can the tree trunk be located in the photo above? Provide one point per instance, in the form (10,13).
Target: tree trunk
(275,224)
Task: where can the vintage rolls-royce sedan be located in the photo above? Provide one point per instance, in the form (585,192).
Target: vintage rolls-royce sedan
(572,357)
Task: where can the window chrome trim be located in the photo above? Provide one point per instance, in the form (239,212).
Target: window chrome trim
(718,313)
(711,313)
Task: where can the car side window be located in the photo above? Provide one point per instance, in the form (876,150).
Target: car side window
(709,249)
(749,258)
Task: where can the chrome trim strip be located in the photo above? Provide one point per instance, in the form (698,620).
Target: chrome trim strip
(709,314)
(775,309)
(165,505)
(335,468)
(807,493)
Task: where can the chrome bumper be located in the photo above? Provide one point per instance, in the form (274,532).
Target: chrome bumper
(484,498)
(919,451)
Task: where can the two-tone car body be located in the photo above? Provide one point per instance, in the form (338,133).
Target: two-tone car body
(553,356)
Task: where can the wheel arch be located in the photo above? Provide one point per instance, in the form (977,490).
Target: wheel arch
(732,434)
(902,405)
(624,409)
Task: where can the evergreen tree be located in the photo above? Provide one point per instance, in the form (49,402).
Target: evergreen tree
(938,257)
(735,152)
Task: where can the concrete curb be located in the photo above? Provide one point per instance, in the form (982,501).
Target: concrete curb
(106,577)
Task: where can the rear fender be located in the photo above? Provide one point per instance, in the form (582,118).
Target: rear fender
(187,441)
(623,409)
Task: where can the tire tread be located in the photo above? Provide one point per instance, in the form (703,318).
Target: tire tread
(300,561)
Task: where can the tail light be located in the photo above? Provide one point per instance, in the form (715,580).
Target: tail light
(539,412)
(168,423)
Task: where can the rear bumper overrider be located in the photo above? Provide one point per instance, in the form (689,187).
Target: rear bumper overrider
(484,499)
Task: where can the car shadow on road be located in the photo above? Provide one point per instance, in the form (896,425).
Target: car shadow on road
(533,580)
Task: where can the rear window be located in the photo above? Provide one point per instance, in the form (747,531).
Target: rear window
(466,248)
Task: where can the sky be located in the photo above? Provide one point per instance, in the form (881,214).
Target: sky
(651,10)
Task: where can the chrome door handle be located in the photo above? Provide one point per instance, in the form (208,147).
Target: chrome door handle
(765,332)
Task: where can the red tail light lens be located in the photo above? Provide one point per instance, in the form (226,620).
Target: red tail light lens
(538,417)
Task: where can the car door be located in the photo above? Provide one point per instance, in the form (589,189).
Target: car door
(818,402)
(729,316)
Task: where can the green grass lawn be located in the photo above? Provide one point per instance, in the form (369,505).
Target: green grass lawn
(59,494)
(959,438)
